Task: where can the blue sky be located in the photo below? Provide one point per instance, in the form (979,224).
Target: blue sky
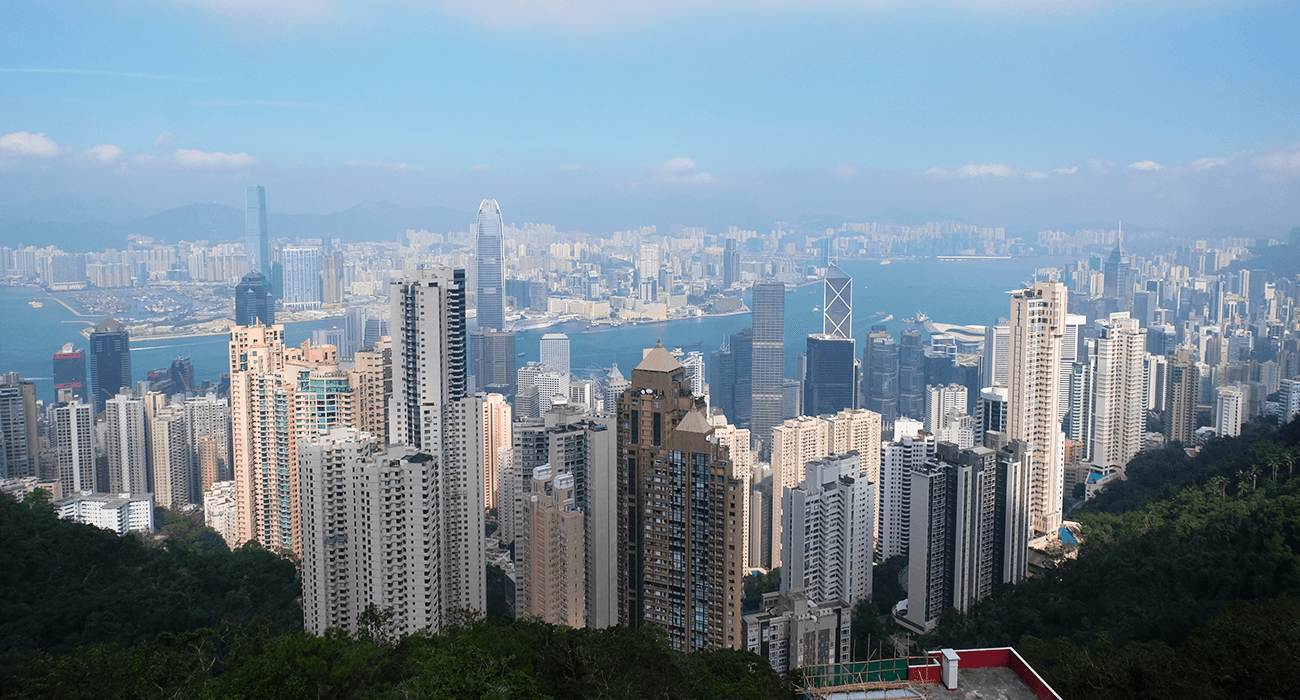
(1177,113)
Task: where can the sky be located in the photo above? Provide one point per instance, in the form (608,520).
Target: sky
(1175,114)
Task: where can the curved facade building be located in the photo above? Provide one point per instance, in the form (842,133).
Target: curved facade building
(491,271)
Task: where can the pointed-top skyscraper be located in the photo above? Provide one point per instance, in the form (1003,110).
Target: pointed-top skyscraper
(837,316)
(489,233)
(257,247)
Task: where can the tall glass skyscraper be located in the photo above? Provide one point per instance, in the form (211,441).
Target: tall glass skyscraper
(837,314)
(256,244)
(491,272)
(768,359)
(110,361)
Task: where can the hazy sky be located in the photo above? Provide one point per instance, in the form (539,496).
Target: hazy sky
(1181,114)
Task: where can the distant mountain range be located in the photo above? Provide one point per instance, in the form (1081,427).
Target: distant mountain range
(96,225)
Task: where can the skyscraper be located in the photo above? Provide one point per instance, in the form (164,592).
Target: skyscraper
(302,280)
(795,443)
(1118,405)
(588,449)
(429,353)
(911,375)
(172,485)
(1229,405)
(256,244)
(70,372)
(682,513)
(1037,330)
(968,530)
(126,447)
(72,435)
(278,396)
(110,361)
(768,359)
(828,531)
(253,301)
(831,384)
(19,448)
(378,554)
(994,365)
(1180,404)
(550,582)
(554,349)
(884,378)
(730,263)
(490,246)
(432,411)
(331,276)
(837,303)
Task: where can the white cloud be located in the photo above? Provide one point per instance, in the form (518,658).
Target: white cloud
(991,169)
(1036,175)
(480,168)
(22,143)
(1067,171)
(678,165)
(1207,163)
(164,137)
(106,152)
(966,171)
(680,170)
(1145,165)
(1284,161)
(191,158)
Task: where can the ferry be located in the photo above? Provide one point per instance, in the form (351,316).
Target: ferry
(36,304)
(885,262)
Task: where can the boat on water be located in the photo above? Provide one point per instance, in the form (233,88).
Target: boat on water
(36,304)
(812,292)
(688,346)
(816,309)
(520,355)
(885,262)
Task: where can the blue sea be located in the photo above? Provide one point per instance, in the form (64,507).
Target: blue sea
(961,292)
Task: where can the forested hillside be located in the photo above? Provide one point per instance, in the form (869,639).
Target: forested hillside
(1199,555)
(64,584)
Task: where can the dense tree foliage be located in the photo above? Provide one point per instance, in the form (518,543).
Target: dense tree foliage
(1182,557)
(873,619)
(485,658)
(64,584)
(758,583)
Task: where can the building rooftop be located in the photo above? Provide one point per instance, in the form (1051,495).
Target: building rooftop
(657,359)
(951,674)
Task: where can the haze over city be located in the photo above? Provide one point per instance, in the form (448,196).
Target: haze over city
(688,350)
(1170,115)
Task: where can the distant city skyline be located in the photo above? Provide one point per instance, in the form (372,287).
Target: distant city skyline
(1168,114)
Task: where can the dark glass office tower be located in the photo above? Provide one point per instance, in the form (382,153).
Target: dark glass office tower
(769,359)
(911,375)
(492,361)
(831,384)
(110,361)
(253,302)
(70,373)
(884,379)
(490,242)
